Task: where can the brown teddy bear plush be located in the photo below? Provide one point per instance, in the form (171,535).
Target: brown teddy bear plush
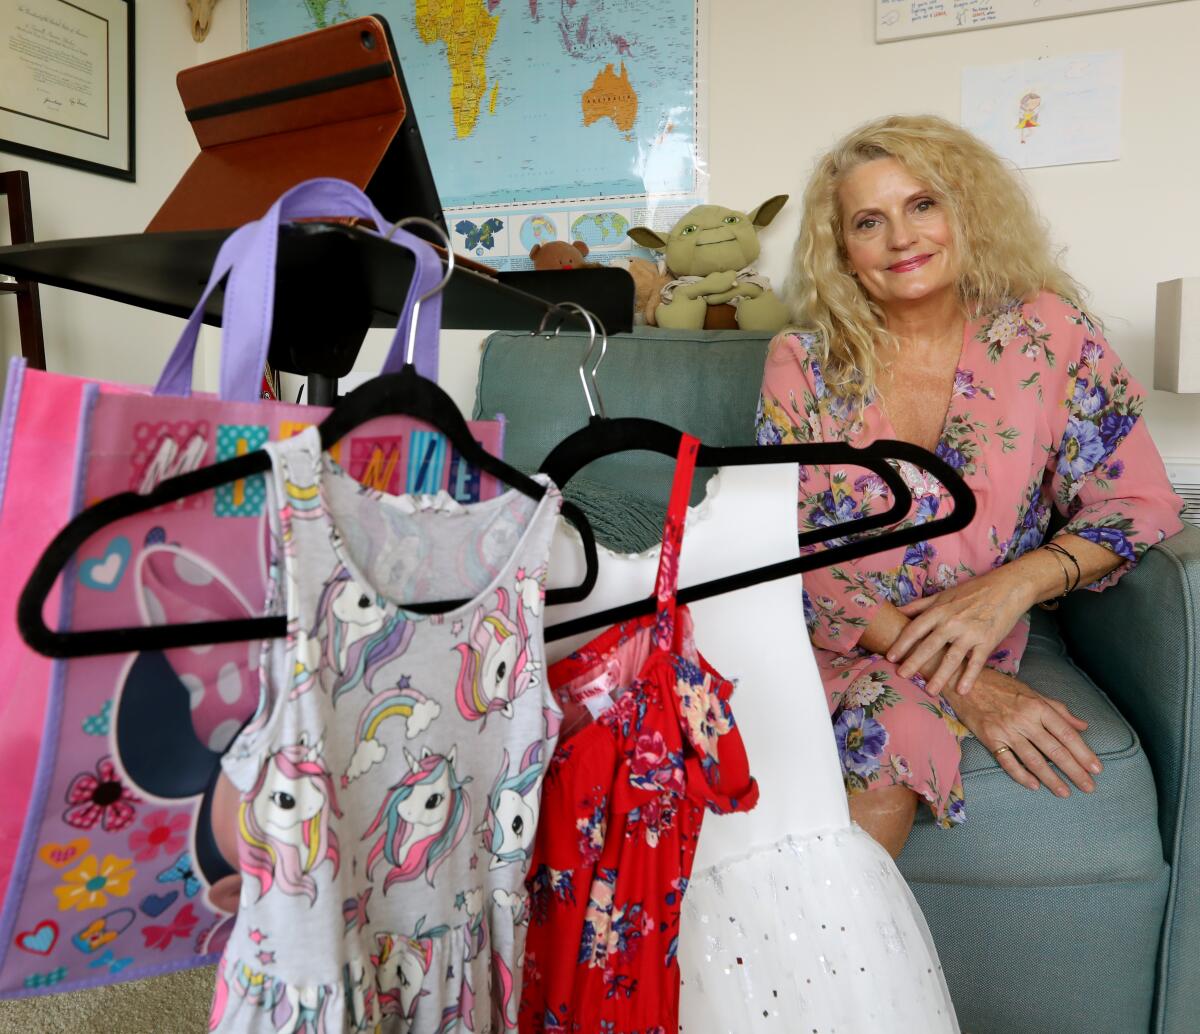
(561,255)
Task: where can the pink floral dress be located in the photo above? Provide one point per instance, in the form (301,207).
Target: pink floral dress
(1043,415)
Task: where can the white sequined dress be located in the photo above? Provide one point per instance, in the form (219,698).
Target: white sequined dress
(795,919)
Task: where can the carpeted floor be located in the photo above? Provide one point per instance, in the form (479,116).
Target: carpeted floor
(174,1004)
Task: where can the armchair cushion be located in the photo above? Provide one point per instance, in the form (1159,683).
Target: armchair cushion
(1037,839)
(1068,893)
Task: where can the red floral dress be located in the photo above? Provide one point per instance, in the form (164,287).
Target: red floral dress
(621,811)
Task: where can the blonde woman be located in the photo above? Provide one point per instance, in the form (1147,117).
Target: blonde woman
(935,312)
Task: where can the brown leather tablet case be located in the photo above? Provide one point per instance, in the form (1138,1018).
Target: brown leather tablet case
(328,103)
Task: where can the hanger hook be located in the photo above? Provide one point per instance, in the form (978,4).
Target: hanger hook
(599,360)
(554,310)
(593,321)
(429,224)
(583,375)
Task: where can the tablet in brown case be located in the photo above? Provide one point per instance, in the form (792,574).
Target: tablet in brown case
(328,103)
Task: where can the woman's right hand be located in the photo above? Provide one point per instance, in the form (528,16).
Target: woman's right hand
(1003,711)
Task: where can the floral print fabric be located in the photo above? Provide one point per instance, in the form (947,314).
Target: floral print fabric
(1043,417)
(622,808)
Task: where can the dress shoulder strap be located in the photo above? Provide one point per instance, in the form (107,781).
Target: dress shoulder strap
(667,581)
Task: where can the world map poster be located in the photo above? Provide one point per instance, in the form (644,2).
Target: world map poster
(543,119)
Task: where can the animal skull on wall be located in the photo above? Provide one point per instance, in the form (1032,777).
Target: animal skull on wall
(201,11)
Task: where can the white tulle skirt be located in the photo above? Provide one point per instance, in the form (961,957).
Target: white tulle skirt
(816,933)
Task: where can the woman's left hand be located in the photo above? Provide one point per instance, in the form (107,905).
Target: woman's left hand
(968,620)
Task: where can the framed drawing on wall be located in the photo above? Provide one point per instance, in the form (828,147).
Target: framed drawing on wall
(66,83)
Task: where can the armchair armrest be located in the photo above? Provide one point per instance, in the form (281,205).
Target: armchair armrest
(1140,642)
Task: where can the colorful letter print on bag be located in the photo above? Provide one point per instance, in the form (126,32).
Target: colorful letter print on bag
(118,874)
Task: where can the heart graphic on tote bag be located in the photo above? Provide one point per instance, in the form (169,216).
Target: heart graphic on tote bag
(60,855)
(156,904)
(41,939)
(104,573)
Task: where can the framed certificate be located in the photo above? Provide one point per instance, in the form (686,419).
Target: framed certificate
(66,83)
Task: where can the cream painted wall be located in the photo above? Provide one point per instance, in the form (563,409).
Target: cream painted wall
(787,78)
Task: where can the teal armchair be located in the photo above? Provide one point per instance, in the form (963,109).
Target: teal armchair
(1153,679)
(1051,916)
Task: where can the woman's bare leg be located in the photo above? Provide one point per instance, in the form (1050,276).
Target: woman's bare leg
(887,814)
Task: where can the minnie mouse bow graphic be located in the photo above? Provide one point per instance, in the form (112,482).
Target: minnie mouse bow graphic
(176,713)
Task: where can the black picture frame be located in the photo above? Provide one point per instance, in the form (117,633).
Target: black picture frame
(34,31)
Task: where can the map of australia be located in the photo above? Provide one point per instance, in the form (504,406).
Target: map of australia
(611,96)
(524,101)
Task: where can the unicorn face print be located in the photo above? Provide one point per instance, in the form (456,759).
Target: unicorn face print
(287,802)
(497,664)
(500,657)
(357,638)
(428,807)
(422,819)
(284,824)
(401,966)
(516,820)
(510,822)
(356,609)
(400,980)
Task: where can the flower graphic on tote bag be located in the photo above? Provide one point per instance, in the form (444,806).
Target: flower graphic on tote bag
(100,797)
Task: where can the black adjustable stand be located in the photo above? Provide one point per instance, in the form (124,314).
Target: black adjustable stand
(333,283)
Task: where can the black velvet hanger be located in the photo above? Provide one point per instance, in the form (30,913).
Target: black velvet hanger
(604,436)
(602,439)
(405,392)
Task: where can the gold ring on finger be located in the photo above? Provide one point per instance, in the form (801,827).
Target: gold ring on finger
(1000,751)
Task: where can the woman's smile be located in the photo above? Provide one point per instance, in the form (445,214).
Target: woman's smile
(909,264)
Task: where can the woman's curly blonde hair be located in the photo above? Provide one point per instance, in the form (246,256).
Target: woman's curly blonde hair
(1003,244)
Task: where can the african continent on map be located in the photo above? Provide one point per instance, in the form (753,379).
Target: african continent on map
(467,30)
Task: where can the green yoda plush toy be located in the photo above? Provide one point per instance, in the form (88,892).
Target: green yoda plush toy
(709,254)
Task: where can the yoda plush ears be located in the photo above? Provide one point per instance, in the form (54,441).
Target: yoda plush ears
(710,216)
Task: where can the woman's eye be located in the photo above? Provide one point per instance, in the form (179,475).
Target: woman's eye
(867,224)
(283,800)
(732,219)
(924,205)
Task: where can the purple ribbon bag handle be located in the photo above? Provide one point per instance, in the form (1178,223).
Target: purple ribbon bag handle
(248,256)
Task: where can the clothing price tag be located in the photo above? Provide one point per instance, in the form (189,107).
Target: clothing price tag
(596,693)
(588,696)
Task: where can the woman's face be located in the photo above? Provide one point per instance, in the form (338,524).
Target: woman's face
(897,236)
